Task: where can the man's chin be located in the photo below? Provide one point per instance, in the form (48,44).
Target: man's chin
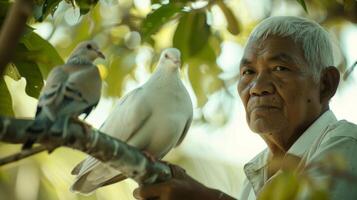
(265,127)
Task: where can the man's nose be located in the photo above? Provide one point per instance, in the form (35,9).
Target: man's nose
(262,85)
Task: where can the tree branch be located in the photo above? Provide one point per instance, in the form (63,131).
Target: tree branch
(130,161)
(12,29)
(22,154)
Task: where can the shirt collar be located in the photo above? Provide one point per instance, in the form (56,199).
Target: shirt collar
(301,145)
(305,141)
(256,170)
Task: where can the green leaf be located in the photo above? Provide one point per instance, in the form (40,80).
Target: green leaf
(171,1)
(302,3)
(34,59)
(5,100)
(155,20)
(32,74)
(12,72)
(85,5)
(155,1)
(191,35)
(121,65)
(41,11)
(4,7)
(181,1)
(232,22)
(41,52)
(203,74)
(200,33)
(284,186)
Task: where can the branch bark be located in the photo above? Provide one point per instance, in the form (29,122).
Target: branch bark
(12,29)
(130,161)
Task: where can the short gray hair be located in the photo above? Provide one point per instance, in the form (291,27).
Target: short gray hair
(314,40)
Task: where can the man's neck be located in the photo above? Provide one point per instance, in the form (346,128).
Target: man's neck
(278,147)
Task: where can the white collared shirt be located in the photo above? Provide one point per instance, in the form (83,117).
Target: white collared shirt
(324,136)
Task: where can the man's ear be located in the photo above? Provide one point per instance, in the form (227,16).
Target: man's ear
(330,78)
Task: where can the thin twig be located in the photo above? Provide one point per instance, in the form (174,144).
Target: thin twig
(23,154)
(349,71)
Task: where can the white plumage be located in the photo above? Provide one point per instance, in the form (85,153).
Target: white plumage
(154,118)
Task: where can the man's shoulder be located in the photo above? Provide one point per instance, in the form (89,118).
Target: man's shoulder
(340,137)
(341,128)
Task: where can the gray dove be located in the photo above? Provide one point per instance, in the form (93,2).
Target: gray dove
(153,118)
(71,89)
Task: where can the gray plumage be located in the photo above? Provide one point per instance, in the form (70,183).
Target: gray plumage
(71,89)
(154,118)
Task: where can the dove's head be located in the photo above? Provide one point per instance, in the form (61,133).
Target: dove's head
(87,51)
(171,57)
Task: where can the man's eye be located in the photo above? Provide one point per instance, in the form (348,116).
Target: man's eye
(247,72)
(281,68)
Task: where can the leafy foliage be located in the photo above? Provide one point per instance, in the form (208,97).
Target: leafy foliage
(41,52)
(198,42)
(153,22)
(34,59)
(4,6)
(302,3)
(44,8)
(5,100)
(119,67)
(85,5)
(187,27)
(233,25)
(191,35)
(289,185)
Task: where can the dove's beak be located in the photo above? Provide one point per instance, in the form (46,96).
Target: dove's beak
(100,54)
(177,62)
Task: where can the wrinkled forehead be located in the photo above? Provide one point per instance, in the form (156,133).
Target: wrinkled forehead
(271,46)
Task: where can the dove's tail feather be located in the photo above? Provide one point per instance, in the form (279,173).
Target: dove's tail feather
(82,186)
(40,124)
(115,179)
(92,174)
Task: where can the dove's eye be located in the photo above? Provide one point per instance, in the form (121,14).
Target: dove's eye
(89,46)
(166,56)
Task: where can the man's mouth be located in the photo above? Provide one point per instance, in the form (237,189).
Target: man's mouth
(264,108)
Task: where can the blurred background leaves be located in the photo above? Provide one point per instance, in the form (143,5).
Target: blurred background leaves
(210,35)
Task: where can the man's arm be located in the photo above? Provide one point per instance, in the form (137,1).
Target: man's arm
(181,186)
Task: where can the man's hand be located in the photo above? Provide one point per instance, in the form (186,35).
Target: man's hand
(181,186)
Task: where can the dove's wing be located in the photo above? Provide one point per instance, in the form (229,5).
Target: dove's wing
(184,133)
(82,91)
(128,117)
(51,94)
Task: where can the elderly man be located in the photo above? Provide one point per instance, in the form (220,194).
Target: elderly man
(287,78)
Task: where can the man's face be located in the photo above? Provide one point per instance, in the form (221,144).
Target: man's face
(277,89)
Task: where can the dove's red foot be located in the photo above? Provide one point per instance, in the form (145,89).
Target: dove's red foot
(149,156)
(86,127)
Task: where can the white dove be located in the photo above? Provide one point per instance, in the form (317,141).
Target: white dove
(154,118)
